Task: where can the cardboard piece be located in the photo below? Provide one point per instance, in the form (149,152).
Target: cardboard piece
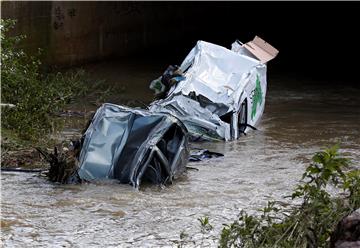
(261,49)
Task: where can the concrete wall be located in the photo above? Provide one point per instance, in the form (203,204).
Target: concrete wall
(75,32)
(310,36)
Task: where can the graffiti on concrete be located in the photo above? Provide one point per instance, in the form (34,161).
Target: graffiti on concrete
(59,18)
(72,12)
(127,8)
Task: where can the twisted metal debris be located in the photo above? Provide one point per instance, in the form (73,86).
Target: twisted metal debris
(215,94)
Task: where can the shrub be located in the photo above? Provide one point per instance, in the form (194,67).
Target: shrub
(309,224)
(36,96)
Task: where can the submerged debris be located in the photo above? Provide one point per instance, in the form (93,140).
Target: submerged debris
(201,154)
(63,165)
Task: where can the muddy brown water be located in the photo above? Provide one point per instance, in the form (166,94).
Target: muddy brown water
(301,117)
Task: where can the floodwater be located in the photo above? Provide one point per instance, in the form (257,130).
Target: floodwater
(301,117)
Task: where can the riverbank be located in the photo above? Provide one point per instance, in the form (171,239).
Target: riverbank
(121,82)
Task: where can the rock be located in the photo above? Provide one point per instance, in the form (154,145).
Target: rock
(347,244)
(347,232)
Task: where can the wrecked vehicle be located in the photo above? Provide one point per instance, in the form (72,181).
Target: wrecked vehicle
(216,94)
(221,92)
(133,145)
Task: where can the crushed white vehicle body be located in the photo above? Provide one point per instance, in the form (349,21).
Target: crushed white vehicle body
(222,92)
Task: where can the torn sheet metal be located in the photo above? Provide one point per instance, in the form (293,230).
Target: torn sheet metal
(222,94)
(133,145)
(198,154)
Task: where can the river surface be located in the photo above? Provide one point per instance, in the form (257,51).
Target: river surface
(300,118)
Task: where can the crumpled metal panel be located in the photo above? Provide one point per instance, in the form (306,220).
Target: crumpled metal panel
(215,72)
(219,84)
(200,122)
(133,145)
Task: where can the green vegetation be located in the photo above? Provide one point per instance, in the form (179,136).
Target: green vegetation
(310,223)
(328,191)
(36,96)
(186,240)
(205,224)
